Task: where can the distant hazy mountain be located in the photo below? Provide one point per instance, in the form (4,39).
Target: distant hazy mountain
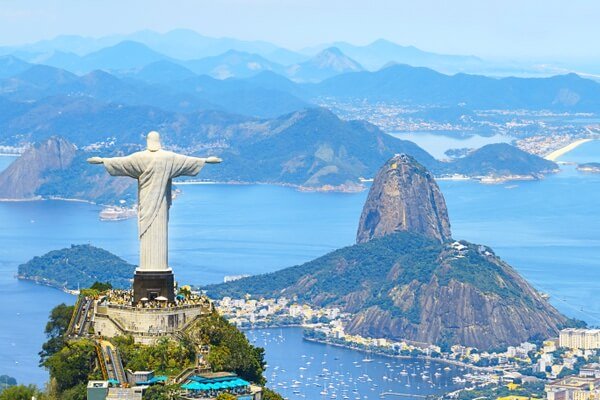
(60,59)
(163,72)
(185,44)
(161,84)
(327,63)
(10,66)
(285,57)
(40,82)
(232,64)
(31,83)
(122,56)
(383,52)
(271,80)
(76,44)
(181,44)
(417,85)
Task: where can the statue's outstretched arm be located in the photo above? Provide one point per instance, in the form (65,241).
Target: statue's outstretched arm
(191,166)
(120,166)
(212,160)
(95,160)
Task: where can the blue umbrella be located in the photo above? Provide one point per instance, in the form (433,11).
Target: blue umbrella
(191,386)
(241,382)
(228,384)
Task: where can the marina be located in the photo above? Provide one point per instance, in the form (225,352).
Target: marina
(301,369)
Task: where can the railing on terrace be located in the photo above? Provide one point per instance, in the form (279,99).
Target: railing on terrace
(156,309)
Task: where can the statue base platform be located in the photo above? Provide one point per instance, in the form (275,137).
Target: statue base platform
(114,314)
(146,325)
(150,285)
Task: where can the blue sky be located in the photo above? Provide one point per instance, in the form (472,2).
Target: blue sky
(506,28)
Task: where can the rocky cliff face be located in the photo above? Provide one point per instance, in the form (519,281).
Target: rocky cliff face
(447,311)
(26,175)
(56,168)
(404,197)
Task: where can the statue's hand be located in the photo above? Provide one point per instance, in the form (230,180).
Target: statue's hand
(213,160)
(95,160)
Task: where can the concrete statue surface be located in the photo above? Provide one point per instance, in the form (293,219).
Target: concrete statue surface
(154,169)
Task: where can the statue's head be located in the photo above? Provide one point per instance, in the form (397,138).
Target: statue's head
(153,141)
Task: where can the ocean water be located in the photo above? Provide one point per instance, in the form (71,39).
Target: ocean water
(548,230)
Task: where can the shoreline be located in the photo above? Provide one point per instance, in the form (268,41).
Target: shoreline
(52,198)
(553,156)
(343,188)
(37,280)
(427,358)
(488,179)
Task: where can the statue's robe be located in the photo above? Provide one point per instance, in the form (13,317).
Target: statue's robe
(154,171)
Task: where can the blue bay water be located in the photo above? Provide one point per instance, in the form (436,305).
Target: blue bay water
(314,370)
(438,143)
(548,230)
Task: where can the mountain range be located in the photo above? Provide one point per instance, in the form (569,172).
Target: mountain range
(184,44)
(173,87)
(410,85)
(312,148)
(189,45)
(128,56)
(381,52)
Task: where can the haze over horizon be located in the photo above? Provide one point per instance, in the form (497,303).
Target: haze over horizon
(510,29)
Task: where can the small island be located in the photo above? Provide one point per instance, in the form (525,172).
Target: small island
(592,167)
(78,266)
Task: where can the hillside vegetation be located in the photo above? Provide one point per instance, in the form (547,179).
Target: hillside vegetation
(78,266)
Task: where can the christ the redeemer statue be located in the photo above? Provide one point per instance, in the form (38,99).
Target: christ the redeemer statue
(154,169)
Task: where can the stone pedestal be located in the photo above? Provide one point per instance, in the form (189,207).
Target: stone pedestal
(146,325)
(153,284)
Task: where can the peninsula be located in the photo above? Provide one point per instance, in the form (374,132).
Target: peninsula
(408,279)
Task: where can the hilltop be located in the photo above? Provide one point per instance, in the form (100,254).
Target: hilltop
(404,197)
(77,266)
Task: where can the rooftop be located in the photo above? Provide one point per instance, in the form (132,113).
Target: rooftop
(574,382)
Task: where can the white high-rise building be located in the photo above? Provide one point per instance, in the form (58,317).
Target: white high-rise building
(586,339)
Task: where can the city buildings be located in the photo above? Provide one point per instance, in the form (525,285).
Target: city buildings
(587,339)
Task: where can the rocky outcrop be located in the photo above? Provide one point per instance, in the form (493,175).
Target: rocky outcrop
(404,197)
(55,168)
(462,312)
(27,174)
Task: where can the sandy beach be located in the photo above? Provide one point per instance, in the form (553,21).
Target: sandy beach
(564,150)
